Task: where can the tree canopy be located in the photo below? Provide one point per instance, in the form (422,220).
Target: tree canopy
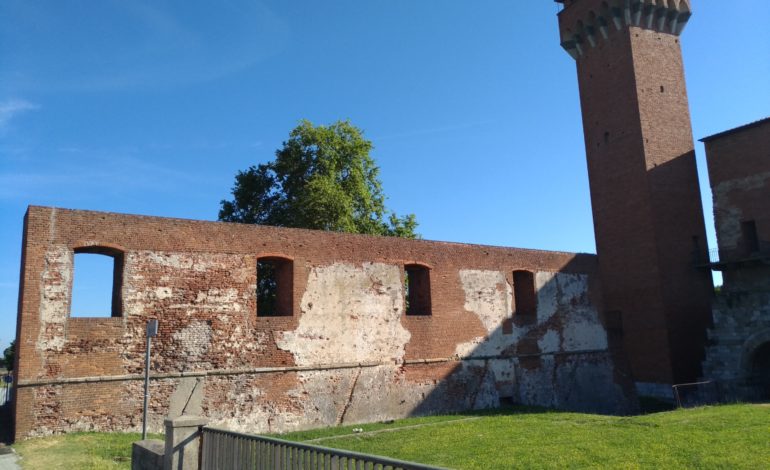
(8,355)
(322,178)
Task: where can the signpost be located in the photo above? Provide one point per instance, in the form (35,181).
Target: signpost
(152,331)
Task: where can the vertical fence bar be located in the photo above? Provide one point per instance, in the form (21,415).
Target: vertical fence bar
(208,455)
(276,456)
(206,450)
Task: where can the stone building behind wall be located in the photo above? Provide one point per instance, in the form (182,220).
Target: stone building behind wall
(350,337)
(739,169)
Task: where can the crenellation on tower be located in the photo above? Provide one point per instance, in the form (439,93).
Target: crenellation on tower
(583,24)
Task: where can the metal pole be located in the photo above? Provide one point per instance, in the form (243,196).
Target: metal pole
(146,389)
(152,330)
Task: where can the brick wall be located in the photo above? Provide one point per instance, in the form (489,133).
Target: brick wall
(348,353)
(644,189)
(739,172)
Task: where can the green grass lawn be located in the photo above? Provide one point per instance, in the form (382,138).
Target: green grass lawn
(732,436)
(88,451)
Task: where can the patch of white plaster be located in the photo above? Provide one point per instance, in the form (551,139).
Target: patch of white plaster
(549,342)
(470,348)
(56,282)
(194,339)
(489,296)
(584,332)
(364,302)
(547,295)
(163,293)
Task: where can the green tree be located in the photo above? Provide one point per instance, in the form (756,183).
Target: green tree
(322,178)
(8,355)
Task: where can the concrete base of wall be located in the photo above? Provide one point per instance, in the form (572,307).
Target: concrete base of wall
(147,455)
(655,390)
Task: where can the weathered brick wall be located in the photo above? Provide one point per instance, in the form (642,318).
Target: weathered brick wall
(739,171)
(741,327)
(347,354)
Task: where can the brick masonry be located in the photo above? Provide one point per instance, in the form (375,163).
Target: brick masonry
(645,194)
(739,171)
(347,354)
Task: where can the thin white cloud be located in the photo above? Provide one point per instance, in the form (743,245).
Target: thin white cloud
(11,108)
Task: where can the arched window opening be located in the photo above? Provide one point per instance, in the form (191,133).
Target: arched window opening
(275,287)
(417,290)
(97,283)
(524,294)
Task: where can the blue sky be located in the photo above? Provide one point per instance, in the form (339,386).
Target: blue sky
(151,107)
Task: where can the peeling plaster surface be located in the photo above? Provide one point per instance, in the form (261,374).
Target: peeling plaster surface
(365,302)
(194,339)
(566,321)
(488,295)
(549,342)
(54,303)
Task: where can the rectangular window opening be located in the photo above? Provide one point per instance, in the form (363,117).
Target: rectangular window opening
(417,290)
(524,294)
(750,236)
(96,284)
(275,279)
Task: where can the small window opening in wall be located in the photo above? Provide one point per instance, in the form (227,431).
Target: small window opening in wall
(97,283)
(662,89)
(524,294)
(606,137)
(417,290)
(275,279)
(750,236)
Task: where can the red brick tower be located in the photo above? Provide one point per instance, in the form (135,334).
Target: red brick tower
(645,195)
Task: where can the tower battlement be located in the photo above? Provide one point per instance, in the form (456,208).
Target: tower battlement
(583,23)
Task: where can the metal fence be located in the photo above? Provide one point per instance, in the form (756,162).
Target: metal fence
(226,450)
(698,394)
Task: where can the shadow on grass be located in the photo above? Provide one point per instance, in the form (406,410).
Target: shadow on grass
(649,405)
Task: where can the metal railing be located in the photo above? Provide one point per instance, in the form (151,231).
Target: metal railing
(697,394)
(226,450)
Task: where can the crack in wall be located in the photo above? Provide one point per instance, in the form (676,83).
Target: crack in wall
(341,418)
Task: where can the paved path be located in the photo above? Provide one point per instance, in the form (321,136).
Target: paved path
(380,431)
(9,462)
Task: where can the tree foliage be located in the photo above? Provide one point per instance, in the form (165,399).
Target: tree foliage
(322,178)
(9,354)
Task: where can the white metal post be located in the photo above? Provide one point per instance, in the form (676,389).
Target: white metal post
(152,330)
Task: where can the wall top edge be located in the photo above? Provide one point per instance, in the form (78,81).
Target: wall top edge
(117,217)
